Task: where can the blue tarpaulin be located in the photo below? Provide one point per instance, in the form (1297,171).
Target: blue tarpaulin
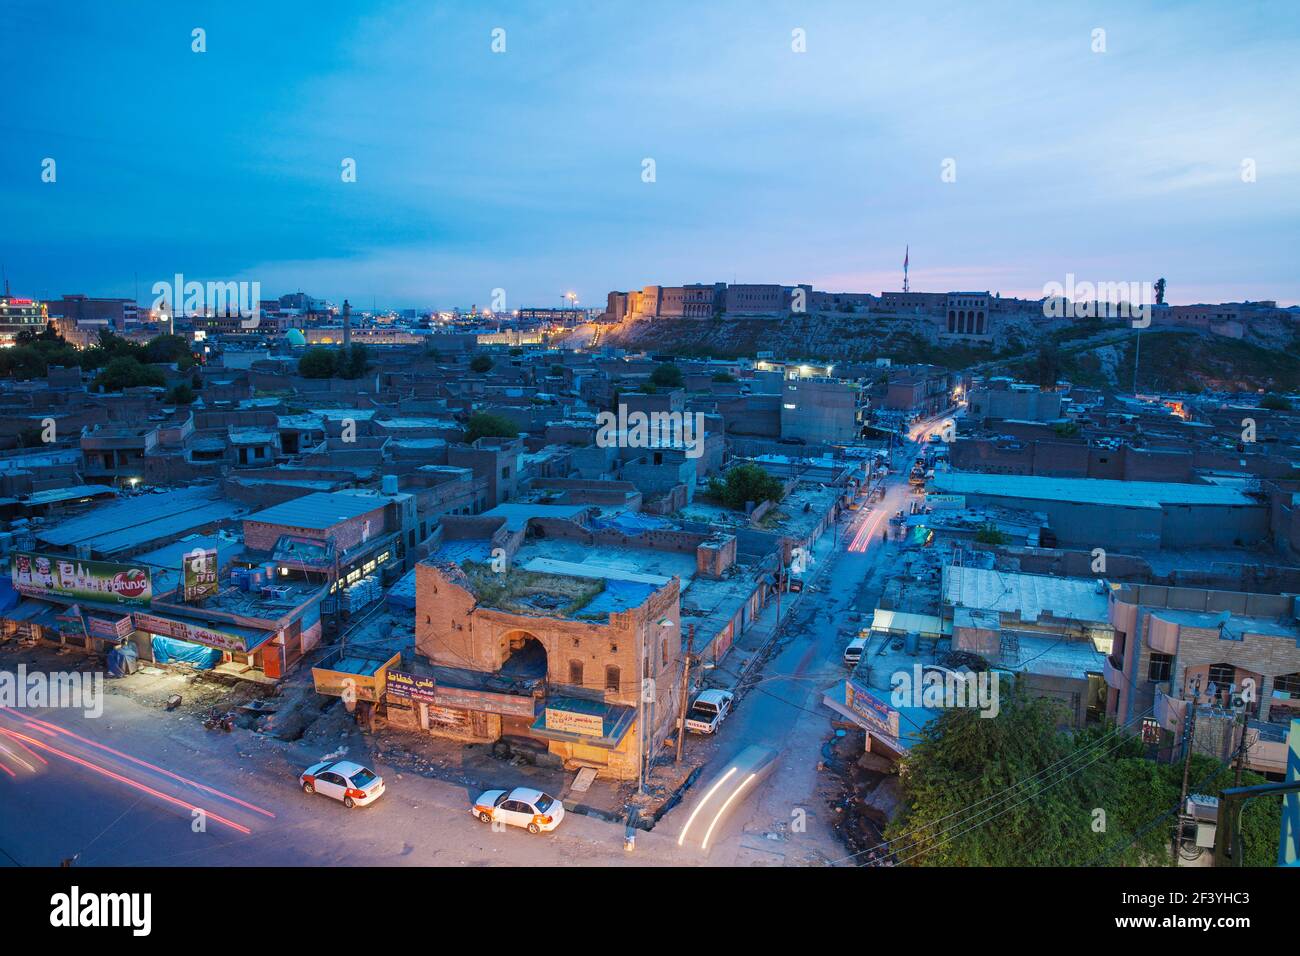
(169,650)
(122,659)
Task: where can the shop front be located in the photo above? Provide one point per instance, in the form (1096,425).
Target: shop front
(589,733)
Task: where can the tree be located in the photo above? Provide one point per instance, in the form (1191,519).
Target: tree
(354,362)
(989,534)
(1047,366)
(746,483)
(666,375)
(1276,402)
(480,364)
(723,377)
(1018,790)
(127,372)
(488,425)
(166,349)
(181,394)
(318,362)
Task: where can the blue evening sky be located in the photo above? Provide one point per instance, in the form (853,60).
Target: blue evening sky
(523,170)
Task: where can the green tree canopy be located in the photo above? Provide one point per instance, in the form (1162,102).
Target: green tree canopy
(127,372)
(318,362)
(354,362)
(666,375)
(746,483)
(168,349)
(1019,790)
(488,425)
(480,363)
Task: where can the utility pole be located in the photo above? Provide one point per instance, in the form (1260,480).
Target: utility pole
(1189,734)
(686,690)
(1137,357)
(640,720)
(1241,750)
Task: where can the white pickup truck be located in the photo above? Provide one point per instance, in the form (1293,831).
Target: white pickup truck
(708,710)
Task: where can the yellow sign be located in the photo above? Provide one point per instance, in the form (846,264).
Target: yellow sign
(589,725)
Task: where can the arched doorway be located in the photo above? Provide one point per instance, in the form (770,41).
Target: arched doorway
(527,659)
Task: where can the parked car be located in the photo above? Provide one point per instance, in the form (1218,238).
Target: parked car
(525,807)
(853,653)
(355,785)
(708,711)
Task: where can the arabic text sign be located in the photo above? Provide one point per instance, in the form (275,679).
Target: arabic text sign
(589,725)
(412,687)
(190,632)
(45,575)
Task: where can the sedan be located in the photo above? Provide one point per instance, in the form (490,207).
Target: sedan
(353,784)
(533,810)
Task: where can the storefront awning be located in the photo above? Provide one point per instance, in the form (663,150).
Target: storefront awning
(593,723)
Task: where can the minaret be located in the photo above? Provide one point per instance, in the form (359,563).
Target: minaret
(907,254)
(347,324)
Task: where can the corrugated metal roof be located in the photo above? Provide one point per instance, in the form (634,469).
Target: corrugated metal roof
(1134,494)
(113,525)
(1028,595)
(321,510)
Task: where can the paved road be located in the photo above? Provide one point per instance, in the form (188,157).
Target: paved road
(108,809)
(780,818)
(83,796)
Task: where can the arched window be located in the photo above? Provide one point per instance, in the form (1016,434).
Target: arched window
(575,672)
(952,321)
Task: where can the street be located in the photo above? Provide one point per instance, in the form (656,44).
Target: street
(139,787)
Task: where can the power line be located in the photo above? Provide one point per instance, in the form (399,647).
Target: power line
(986,820)
(1052,768)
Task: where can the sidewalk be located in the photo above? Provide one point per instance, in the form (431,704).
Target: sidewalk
(763,631)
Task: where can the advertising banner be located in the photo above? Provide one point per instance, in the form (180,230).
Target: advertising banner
(199,570)
(190,632)
(411,687)
(45,575)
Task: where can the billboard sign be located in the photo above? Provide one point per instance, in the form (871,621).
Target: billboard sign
(46,575)
(199,572)
(411,687)
(194,633)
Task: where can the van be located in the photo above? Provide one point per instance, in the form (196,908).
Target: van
(853,653)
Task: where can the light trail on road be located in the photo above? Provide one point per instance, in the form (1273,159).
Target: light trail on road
(52,728)
(752,762)
(138,785)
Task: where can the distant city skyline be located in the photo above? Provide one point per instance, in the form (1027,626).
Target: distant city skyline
(523,170)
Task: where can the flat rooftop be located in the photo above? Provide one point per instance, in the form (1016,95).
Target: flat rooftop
(130,522)
(320,510)
(1102,491)
(1030,596)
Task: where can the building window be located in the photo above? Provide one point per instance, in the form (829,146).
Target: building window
(613,678)
(575,672)
(1288,684)
(1159,668)
(1222,677)
(665,651)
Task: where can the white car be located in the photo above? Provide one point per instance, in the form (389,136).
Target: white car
(525,807)
(708,711)
(355,785)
